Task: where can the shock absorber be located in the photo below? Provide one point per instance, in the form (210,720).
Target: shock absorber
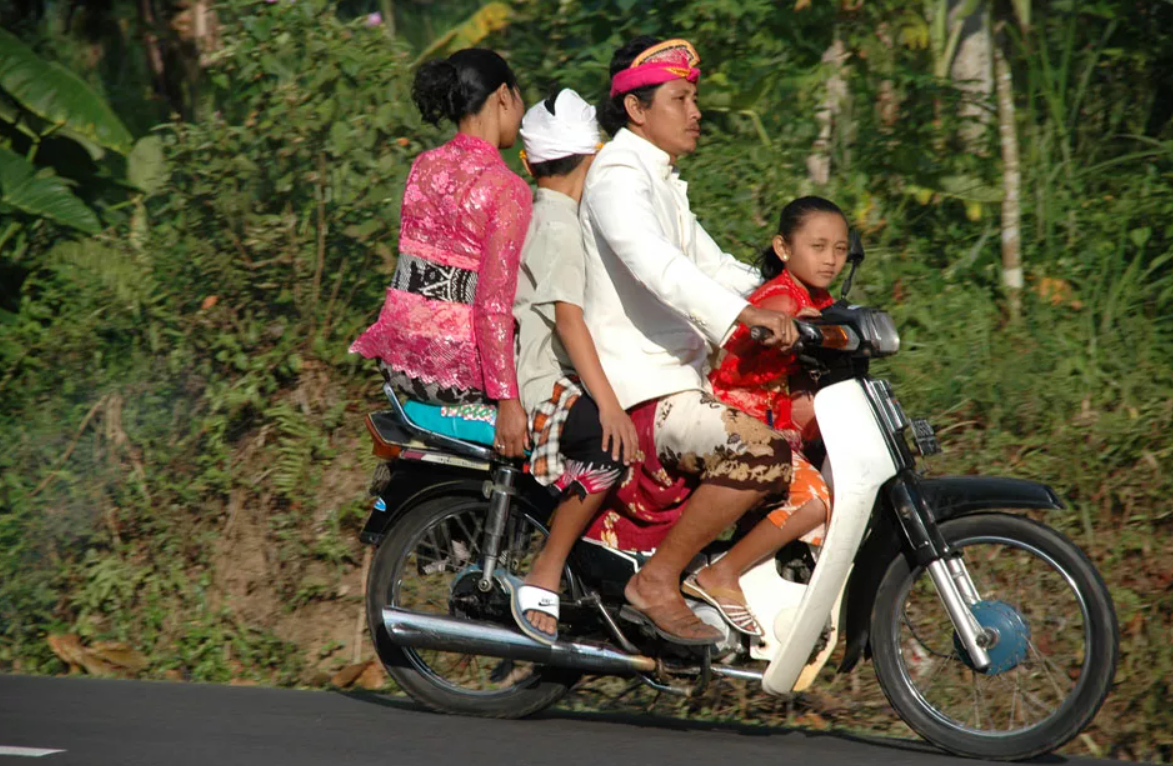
(499,493)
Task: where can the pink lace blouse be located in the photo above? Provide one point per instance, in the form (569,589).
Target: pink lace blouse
(464,208)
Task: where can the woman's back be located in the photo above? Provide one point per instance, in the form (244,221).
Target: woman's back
(453,197)
(447,322)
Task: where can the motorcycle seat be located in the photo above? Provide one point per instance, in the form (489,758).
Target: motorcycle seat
(475,426)
(463,431)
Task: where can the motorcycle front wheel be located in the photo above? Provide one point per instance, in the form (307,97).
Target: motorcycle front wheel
(1057,656)
(429,564)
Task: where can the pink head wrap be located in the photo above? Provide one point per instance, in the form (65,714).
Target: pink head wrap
(664,62)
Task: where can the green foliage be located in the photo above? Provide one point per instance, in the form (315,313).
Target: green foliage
(40,100)
(44,196)
(58,97)
(180,410)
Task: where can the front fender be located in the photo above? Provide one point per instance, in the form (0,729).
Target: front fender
(949,497)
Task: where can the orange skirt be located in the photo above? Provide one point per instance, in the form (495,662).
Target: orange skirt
(806,484)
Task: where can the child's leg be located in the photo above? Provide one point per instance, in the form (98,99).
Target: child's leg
(570,519)
(589,468)
(806,510)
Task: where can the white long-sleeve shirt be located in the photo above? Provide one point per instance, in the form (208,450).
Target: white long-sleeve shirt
(659,290)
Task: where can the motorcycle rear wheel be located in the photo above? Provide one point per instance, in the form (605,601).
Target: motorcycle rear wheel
(1062,676)
(414,568)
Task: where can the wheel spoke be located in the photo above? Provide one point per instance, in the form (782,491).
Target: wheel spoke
(1009,571)
(426,581)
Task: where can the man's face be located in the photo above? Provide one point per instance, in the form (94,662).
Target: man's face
(673,121)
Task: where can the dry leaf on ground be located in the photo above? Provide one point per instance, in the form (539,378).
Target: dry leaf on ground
(348,675)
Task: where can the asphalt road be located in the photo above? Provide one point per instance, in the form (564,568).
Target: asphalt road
(126,723)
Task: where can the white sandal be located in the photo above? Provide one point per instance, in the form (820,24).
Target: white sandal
(531,598)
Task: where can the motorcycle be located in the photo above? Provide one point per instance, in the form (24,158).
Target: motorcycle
(992,635)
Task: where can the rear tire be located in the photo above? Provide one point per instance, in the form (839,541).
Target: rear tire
(899,659)
(544,687)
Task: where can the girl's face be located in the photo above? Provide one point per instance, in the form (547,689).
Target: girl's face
(818,250)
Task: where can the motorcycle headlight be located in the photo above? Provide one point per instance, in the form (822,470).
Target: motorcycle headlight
(880,332)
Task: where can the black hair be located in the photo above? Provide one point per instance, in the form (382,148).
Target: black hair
(561,166)
(459,85)
(790,221)
(612,113)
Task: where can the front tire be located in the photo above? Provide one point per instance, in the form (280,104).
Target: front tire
(1051,694)
(415,568)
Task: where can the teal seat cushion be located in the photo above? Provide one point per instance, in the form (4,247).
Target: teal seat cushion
(470,422)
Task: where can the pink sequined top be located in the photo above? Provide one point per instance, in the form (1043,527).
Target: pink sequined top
(464,208)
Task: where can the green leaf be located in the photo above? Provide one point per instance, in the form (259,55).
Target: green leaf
(58,96)
(41,194)
(146,167)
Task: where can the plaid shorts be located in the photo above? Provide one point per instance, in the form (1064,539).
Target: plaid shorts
(568,442)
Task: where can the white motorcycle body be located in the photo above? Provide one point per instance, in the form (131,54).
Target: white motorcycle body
(795,616)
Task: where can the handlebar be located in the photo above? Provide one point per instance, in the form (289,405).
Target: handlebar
(808,334)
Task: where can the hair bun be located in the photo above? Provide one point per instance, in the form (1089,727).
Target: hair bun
(459,85)
(436,91)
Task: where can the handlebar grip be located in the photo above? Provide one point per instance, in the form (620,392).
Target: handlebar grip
(808,335)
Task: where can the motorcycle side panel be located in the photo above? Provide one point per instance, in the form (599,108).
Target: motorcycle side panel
(949,497)
(860,463)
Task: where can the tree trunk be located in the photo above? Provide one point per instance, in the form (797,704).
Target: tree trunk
(818,163)
(1011,184)
(973,72)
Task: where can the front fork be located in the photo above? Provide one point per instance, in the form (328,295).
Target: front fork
(944,564)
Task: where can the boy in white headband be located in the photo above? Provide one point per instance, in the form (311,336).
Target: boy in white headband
(581,441)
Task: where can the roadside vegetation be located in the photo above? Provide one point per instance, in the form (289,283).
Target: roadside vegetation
(198,213)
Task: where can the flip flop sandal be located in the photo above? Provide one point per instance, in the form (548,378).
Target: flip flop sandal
(732,608)
(652,617)
(531,598)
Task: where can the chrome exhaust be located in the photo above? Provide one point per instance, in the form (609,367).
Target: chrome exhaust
(453,634)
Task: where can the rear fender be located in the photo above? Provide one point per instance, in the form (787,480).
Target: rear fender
(949,497)
(412,483)
(415,482)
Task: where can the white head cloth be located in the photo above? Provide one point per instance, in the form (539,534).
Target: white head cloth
(571,129)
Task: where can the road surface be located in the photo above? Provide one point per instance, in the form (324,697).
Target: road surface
(99,722)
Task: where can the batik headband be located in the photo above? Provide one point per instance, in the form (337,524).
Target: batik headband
(664,62)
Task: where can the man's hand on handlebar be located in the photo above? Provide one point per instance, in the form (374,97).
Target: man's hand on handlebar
(783,332)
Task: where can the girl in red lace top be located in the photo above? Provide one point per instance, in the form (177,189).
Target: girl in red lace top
(805,257)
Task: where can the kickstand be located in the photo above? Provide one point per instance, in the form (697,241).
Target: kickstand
(616,633)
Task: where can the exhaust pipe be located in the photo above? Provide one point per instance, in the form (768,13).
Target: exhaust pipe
(452,634)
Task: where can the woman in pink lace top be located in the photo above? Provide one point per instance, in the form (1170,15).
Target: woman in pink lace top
(445,334)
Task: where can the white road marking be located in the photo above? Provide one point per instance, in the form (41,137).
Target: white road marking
(28,752)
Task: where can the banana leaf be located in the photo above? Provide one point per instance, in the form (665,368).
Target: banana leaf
(488,19)
(58,96)
(42,194)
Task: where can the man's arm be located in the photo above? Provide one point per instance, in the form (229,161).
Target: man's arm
(739,277)
(619,204)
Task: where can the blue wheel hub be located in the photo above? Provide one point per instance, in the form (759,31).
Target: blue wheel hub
(1010,636)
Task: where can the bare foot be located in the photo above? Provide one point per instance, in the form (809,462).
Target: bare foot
(540,620)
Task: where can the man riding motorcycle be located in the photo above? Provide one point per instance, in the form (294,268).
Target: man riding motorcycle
(660,295)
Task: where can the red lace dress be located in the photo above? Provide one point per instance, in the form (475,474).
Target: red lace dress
(448,318)
(756,379)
